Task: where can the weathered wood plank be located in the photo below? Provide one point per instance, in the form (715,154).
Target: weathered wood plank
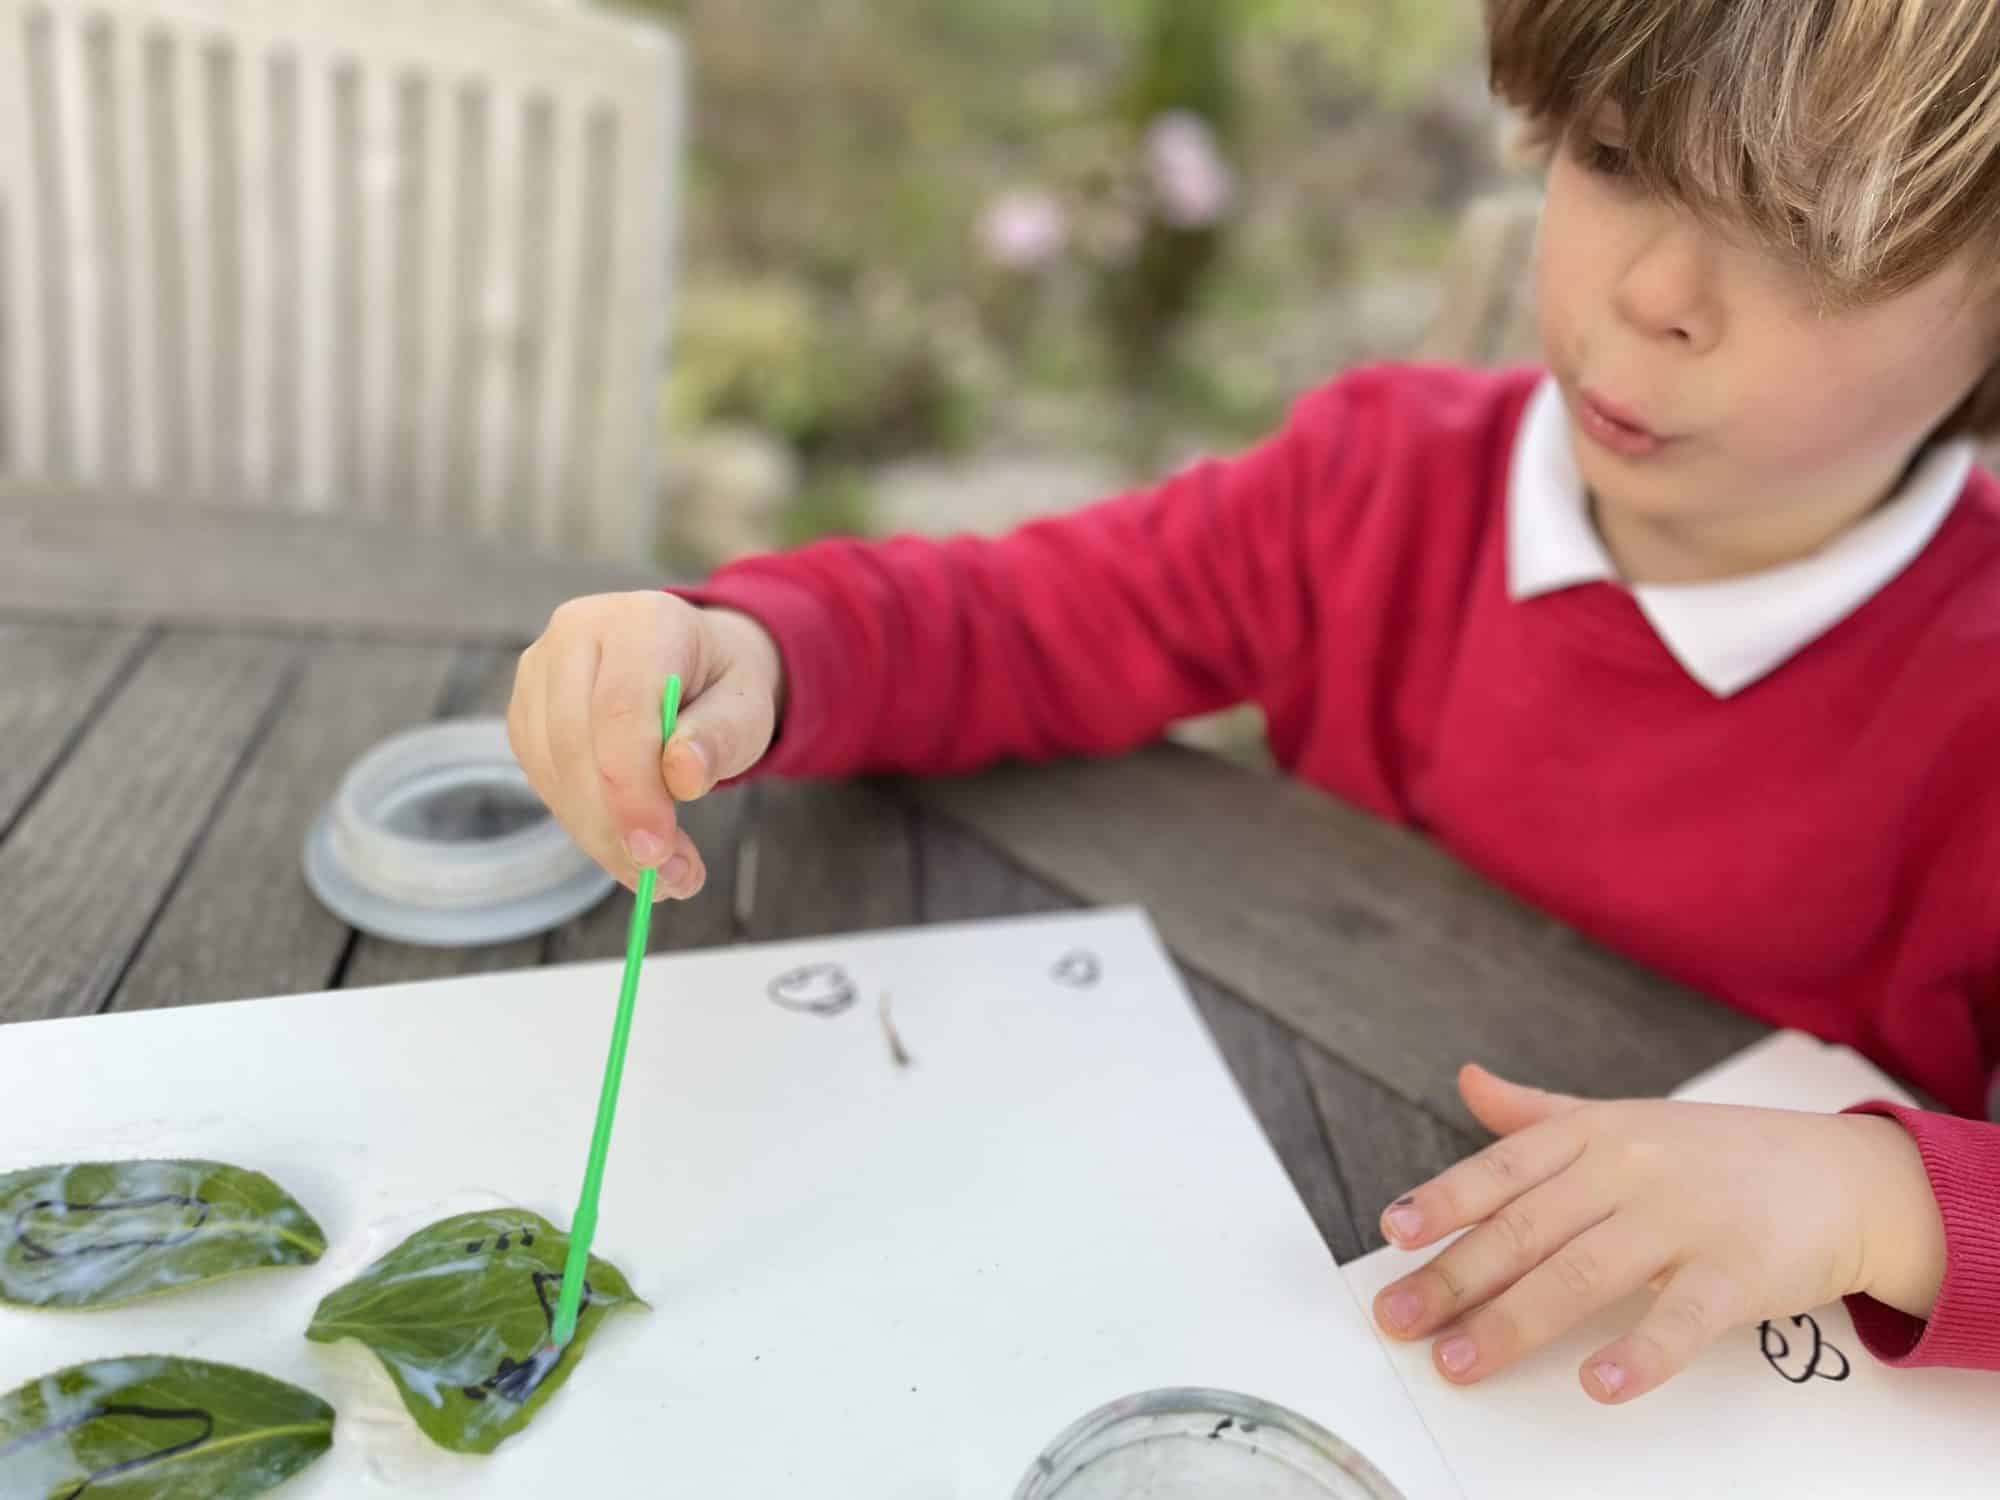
(53,679)
(1264,1057)
(1382,1144)
(243,922)
(962,878)
(378,961)
(76,557)
(717,824)
(479,682)
(86,869)
(823,858)
(1364,937)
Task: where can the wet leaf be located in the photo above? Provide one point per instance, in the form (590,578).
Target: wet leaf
(97,1233)
(460,1315)
(153,1428)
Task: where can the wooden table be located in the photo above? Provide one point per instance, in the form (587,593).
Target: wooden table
(180,692)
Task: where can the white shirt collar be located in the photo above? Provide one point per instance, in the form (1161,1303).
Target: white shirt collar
(1729,633)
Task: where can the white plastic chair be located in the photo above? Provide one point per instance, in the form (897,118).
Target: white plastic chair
(407,257)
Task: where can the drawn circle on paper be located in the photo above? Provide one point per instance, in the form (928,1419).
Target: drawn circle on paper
(815,989)
(1192,1444)
(1080,969)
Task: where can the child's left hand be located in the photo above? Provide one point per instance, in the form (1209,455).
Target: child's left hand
(1734,1215)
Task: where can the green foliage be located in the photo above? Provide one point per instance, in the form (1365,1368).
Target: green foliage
(460,1315)
(155,1428)
(97,1233)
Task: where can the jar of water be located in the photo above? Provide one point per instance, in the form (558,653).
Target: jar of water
(1192,1444)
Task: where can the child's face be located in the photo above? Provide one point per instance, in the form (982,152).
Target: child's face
(1768,408)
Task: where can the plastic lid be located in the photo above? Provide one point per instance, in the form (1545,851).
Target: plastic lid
(1188,1444)
(435,837)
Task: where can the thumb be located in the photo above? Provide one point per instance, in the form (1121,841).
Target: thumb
(1504,1107)
(723,732)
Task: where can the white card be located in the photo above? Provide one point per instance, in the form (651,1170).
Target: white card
(1798,1409)
(867,1280)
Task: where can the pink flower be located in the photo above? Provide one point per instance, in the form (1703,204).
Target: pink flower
(1193,184)
(1024,230)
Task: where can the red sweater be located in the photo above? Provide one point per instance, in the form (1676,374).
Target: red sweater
(1818,850)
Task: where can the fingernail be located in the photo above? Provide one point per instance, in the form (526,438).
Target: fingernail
(1610,1377)
(1404,1309)
(645,848)
(1404,1223)
(677,871)
(1457,1355)
(691,748)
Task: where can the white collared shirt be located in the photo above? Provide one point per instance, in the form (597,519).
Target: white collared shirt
(1731,632)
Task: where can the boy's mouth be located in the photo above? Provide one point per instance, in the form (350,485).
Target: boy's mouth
(1614,427)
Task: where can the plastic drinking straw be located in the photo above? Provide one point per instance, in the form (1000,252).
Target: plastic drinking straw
(584,1226)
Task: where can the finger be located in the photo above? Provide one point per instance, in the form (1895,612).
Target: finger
(1493,1256)
(578,802)
(1701,1302)
(1478,1187)
(525,736)
(684,873)
(1504,1107)
(1574,1281)
(722,733)
(625,742)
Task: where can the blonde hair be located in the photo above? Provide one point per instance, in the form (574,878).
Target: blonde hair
(1858,138)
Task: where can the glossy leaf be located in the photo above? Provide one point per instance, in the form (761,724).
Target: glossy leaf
(153,1428)
(460,1315)
(97,1233)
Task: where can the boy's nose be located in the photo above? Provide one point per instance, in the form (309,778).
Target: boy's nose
(1667,292)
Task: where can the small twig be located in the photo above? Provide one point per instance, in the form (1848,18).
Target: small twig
(898,1054)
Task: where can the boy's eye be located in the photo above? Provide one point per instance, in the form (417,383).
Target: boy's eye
(1606,159)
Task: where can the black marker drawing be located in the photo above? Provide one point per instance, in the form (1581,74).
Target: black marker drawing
(1778,1349)
(32,1249)
(816,989)
(514,1380)
(1079,969)
(205,1420)
(898,1053)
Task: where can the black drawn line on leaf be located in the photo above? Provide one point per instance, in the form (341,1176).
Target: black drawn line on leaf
(122,1409)
(517,1380)
(35,1251)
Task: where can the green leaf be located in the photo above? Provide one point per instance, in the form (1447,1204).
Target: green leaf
(97,1233)
(460,1315)
(154,1428)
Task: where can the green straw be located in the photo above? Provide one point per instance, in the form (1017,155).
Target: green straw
(584,1227)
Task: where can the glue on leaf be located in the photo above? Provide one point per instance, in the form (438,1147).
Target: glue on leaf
(158,1428)
(461,1314)
(98,1233)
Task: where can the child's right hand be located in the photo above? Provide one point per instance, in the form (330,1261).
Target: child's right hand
(585,723)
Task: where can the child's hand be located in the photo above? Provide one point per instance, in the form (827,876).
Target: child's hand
(1734,1215)
(585,723)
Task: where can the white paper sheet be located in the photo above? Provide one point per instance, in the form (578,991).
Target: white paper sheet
(868,1281)
(1735,1423)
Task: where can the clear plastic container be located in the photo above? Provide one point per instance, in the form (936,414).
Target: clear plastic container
(435,837)
(1191,1444)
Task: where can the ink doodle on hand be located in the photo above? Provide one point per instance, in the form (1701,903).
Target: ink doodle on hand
(1814,1360)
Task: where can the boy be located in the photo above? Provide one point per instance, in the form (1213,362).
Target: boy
(1689,638)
